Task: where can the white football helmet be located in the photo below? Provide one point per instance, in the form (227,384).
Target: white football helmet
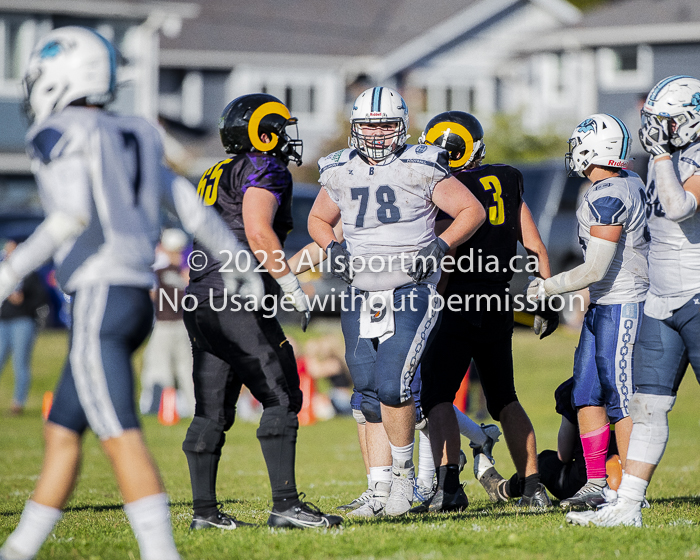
(68,64)
(379,105)
(600,139)
(676,98)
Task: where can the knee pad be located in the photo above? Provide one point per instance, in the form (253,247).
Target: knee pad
(649,415)
(277,421)
(204,436)
(421,421)
(358,416)
(371,410)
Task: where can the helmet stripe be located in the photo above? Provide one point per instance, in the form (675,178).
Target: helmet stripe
(625,137)
(376,99)
(112,59)
(658,87)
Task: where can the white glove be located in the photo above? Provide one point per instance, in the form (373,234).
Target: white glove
(535,289)
(292,290)
(8,281)
(247,283)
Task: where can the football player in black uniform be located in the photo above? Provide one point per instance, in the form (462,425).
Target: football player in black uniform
(234,346)
(476,321)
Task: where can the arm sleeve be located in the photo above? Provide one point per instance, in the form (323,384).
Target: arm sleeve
(678,204)
(180,197)
(599,256)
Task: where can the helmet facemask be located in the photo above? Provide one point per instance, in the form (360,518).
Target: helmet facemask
(378,146)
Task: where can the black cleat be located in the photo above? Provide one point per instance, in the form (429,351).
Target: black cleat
(302,516)
(218,520)
(539,501)
(495,485)
(442,501)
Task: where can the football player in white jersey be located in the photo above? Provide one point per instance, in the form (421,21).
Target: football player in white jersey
(670,334)
(102,183)
(387,194)
(614,237)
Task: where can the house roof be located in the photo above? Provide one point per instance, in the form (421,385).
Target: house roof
(628,22)
(102,8)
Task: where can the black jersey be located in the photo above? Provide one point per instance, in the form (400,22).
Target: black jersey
(487,254)
(222,187)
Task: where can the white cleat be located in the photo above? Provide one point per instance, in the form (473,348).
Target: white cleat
(402,488)
(374,506)
(622,512)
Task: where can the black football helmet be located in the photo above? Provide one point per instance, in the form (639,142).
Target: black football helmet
(247,117)
(460,134)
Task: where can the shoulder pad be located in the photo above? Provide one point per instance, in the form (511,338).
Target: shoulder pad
(425,154)
(336,159)
(46,144)
(607,210)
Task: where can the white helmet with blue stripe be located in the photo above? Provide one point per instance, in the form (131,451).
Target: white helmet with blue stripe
(374,106)
(675,99)
(66,65)
(602,140)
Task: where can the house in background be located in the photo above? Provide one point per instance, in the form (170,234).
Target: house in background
(318,55)
(135,28)
(607,62)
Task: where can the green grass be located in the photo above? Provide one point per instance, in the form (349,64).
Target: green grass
(329,470)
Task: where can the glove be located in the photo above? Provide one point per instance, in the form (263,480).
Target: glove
(246,283)
(654,135)
(428,259)
(292,290)
(340,261)
(546,322)
(534,291)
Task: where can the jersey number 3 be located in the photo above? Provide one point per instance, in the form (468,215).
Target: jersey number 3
(496,213)
(387,213)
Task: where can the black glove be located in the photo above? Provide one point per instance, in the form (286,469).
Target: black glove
(340,261)
(428,259)
(654,135)
(546,321)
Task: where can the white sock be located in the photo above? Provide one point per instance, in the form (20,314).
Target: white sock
(150,520)
(369,481)
(34,527)
(470,429)
(380,474)
(632,488)
(402,456)
(426,464)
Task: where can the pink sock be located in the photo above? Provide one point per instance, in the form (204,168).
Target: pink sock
(595,449)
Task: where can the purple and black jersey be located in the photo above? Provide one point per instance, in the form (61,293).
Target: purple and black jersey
(223,186)
(489,251)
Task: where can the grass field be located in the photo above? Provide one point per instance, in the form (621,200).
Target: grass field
(329,470)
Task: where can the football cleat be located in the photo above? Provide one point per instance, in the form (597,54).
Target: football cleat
(492,433)
(589,496)
(443,501)
(374,506)
(423,493)
(608,496)
(357,502)
(218,520)
(539,501)
(401,495)
(621,512)
(302,516)
(495,485)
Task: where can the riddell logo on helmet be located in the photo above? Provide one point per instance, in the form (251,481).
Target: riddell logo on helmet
(613,163)
(376,114)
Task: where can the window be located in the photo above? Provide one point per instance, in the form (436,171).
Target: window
(625,68)
(297,98)
(17,36)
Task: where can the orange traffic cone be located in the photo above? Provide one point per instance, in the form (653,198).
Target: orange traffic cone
(307,385)
(167,411)
(46,403)
(461,397)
